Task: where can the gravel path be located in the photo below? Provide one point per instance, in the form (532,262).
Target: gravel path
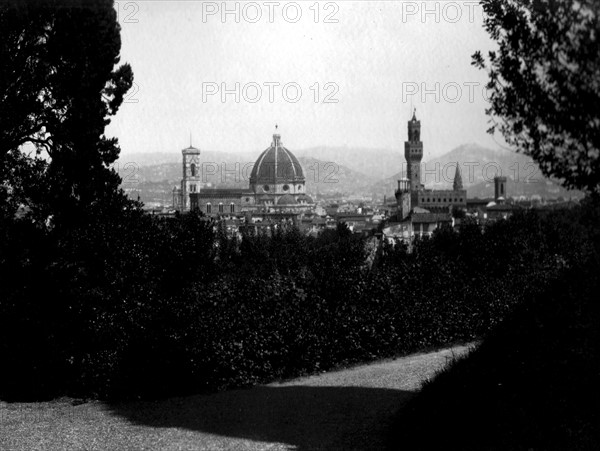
(345,410)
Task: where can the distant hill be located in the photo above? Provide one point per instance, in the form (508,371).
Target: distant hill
(348,171)
(479,166)
(328,177)
(544,188)
(206,156)
(153,176)
(150,159)
(377,163)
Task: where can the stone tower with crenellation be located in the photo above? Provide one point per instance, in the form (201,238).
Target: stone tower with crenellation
(413,152)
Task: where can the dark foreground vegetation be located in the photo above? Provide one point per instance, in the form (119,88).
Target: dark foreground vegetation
(142,306)
(532,384)
(534,381)
(100,300)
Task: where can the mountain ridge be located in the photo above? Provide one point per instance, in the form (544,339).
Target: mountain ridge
(155,172)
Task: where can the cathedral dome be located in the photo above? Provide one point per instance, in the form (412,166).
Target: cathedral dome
(305,198)
(276,165)
(287,199)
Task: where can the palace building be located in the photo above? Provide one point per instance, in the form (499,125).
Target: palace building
(420,210)
(277,185)
(411,193)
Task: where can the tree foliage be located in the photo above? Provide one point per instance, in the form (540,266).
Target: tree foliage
(544,83)
(141,305)
(120,303)
(532,382)
(59,85)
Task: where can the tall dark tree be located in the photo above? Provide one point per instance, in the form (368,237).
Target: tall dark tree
(59,85)
(545,83)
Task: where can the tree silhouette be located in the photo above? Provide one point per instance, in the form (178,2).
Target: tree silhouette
(58,89)
(544,83)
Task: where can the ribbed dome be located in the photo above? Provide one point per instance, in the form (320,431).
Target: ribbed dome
(305,198)
(276,165)
(287,199)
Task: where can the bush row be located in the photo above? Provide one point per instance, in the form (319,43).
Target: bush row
(531,384)
(132,305)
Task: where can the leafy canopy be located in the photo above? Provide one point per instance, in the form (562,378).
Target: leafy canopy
(59,84)
(544,83)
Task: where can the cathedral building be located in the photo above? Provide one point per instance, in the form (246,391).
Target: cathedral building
(277,185)
(277,178)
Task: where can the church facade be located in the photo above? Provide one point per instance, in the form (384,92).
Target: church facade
(276,185)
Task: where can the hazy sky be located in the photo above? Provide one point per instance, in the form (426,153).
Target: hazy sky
(374,58)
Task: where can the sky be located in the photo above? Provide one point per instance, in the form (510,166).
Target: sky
(331,74)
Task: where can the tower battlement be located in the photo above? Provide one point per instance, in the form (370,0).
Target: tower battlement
(411,192)
(413,152)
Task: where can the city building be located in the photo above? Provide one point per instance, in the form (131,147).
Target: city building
(412,193)
(419,211)
(277,186)
(499,208)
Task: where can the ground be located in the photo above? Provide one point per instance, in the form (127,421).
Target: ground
(345,410)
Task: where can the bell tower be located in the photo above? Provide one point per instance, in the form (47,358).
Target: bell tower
(191,180)
(413,152)
(499,188)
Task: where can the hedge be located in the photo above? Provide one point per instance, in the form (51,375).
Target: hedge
(137,306)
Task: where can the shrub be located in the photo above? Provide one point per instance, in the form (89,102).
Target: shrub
(532,384)
(133,305)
